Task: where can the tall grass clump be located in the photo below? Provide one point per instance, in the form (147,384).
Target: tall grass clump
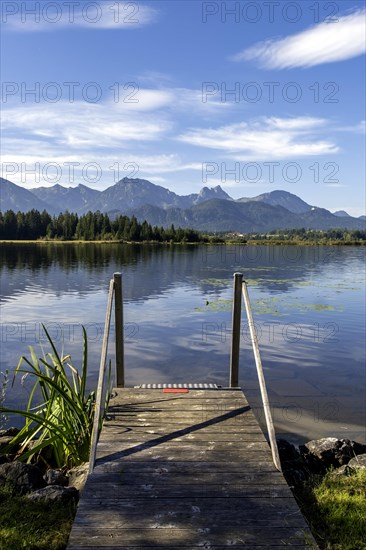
(4,379)
(58,431)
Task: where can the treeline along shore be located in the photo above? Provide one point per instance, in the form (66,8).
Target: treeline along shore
(96,226)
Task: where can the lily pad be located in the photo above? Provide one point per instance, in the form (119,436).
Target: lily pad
(217,305)
(216,282)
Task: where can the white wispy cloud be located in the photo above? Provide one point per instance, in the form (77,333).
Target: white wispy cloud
(176,100)
(126,130)
(54,16)
(359,128)
(81,124)
(265,138)
(128,120)
(298,124)
(32,162)
(327,42)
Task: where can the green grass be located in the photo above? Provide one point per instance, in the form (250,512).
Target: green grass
(335,507)
(33,525)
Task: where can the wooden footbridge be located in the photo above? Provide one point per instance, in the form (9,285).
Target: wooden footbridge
(185,466)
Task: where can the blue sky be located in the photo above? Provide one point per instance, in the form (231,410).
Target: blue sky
(253,96)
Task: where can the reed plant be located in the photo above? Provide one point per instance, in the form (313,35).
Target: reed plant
(58,430)
(4,379)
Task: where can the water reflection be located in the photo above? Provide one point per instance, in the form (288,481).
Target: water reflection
(308,302)
(151,270)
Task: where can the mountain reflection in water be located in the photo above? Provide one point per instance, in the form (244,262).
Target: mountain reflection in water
(308,302)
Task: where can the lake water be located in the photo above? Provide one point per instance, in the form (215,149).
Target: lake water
(308,305)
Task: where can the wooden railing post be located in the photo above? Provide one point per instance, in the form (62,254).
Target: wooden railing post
(118,311)
(235,334)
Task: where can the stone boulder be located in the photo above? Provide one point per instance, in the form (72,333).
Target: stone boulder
(77,476)
(22,478)
(55,494)
(293,465)
(321,454)
(4,441)
(358,462)
(6,437)
(8,432)
(287,451)
(55,477)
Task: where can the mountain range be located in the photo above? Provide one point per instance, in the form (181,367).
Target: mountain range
(212,209)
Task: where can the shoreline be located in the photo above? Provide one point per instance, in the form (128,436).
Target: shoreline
(169,243)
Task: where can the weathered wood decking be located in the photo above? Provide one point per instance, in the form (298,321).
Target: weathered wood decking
(190,470)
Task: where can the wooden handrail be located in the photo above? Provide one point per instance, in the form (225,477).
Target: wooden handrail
(100,388)
(262,383)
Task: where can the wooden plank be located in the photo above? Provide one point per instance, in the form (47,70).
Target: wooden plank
(198,420)
(127,395)
(179,479)
(184,445)
(164,426)
(181,401)
(188,426)
(216,406)
(196,507)
(212,547)
(150,490)
(190,453)
(233,516)
(185,471)
(140,434)
(186,538)
(198,415)
(159,467)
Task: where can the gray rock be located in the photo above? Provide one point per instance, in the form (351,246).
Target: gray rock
(9,431)
(358,462)
(293,464)
(55,477)
(55,494)
(6,436)
(4,441)
(342,470)
(77,476)
(358,448)
(321,454)
(23,478)
(287,451)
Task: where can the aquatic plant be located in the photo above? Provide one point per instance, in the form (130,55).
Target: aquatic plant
(58,431)
(4,379)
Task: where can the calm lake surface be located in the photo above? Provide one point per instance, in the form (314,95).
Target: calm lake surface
(308,305)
